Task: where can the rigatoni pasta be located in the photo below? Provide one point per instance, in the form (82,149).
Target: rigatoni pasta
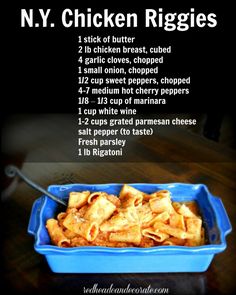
(56,233)
(134,219)
(77,199)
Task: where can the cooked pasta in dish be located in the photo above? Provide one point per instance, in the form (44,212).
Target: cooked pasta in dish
(134,219)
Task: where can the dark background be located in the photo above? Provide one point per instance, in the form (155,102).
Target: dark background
(41,73)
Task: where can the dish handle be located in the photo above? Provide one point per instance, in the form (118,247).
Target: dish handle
(222,216)
(34,217)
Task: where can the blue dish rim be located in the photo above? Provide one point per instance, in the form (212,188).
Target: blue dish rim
(205,249)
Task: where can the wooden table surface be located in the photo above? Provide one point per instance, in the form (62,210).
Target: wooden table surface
(26,270)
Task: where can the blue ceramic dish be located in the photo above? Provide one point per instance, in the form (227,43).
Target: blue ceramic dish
(132,260)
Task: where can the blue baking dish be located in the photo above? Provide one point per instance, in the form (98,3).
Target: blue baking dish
(96,259)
